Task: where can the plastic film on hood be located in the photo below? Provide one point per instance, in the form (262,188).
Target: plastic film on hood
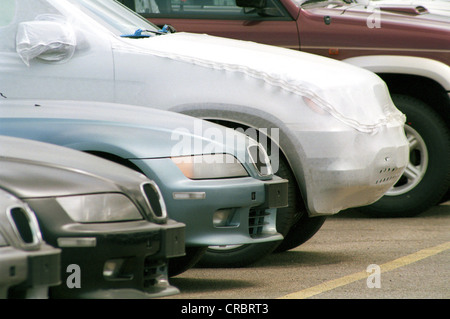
(355,97)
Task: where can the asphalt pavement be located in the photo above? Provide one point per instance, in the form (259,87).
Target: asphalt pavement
(353,256)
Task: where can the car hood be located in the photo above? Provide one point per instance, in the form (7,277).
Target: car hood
(433,6)
(138,132)
(404,13)
(334,87)
(395,14)
(30,169)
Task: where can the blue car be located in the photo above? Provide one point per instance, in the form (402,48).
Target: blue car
(215,180)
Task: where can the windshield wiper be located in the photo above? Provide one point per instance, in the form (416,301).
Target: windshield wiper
(138,33)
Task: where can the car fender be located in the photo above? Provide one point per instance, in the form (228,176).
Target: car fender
(284,138)
(424,67)
(80,136)
(101,147)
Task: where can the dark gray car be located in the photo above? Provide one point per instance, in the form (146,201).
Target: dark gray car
(28,265)
(109,221)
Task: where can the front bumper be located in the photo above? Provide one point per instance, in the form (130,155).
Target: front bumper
(105,259)
(249,205)
(28,274)
(345,169)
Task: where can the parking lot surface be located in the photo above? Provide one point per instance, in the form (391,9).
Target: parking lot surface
(353,256)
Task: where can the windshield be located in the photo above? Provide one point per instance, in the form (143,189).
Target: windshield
(114,16)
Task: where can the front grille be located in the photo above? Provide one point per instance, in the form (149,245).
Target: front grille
(23,225)
(386,175)
(153,270)
(154,199)
(260,160)
(256,222)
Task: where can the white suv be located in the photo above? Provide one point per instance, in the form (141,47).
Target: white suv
(333,129)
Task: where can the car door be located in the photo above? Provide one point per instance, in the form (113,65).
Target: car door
(273,25)
(74,63)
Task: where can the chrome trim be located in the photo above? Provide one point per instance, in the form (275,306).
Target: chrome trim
(266,159)
(32,222)
(162,203)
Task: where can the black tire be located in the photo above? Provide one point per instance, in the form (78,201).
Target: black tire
(303,227)
(179,265)
(245,255)
(302,230)
(445,198)
(430,156)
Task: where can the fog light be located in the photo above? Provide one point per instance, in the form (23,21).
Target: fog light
(224,218)
(162,282)
(111,269)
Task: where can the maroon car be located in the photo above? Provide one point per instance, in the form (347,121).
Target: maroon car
(408,47)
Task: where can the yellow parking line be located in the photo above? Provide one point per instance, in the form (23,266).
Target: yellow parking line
(400,262)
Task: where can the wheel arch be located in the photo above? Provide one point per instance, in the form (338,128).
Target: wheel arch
(421,88)
(107,151)
(423,78)
(114,158)
(243,116)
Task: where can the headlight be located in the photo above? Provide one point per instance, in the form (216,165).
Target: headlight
(260,160)
(210,166)
(94,208)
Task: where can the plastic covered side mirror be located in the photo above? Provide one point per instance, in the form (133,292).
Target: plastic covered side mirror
(51,41)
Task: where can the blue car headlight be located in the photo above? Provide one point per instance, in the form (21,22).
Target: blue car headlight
(210,166)
(96,208)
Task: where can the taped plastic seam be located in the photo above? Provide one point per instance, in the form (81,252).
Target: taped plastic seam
(49,40)
(303,89)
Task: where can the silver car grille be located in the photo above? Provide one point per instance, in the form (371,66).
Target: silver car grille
(154,200)
(25,226)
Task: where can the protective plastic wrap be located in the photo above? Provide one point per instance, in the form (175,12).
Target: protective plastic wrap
(364,105)
(47,38)
(338,126)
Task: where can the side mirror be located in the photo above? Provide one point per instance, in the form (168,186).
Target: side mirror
(258,4)
(52,41)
